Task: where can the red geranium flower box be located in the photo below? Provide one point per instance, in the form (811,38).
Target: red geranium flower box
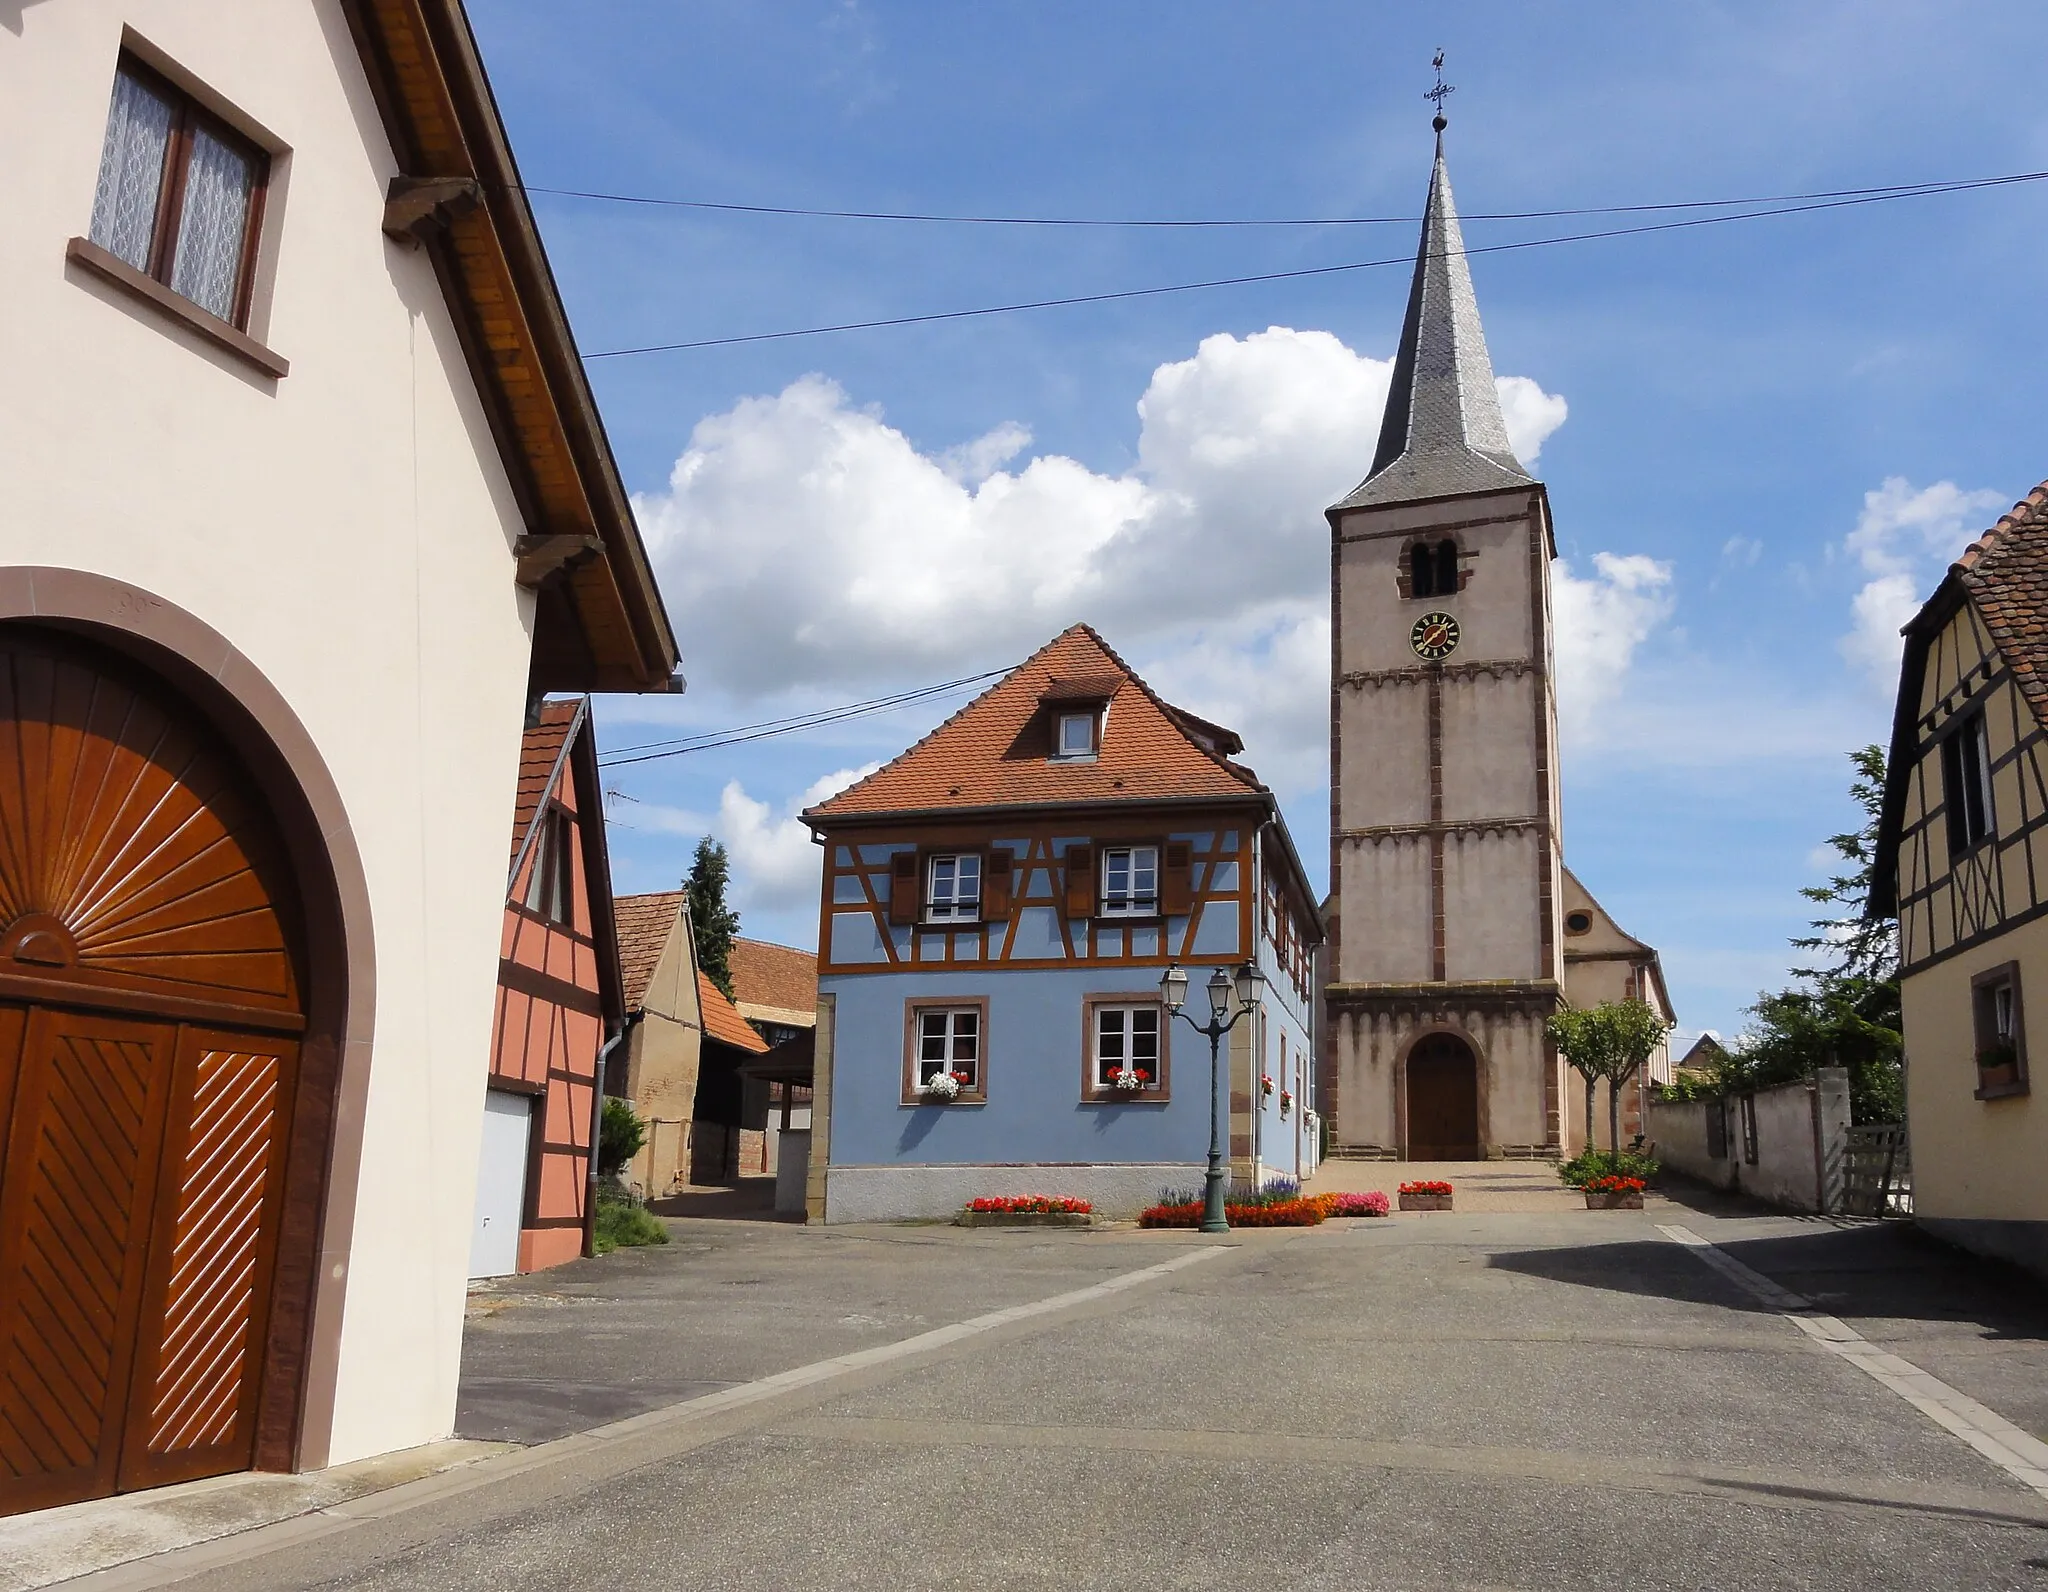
(1614,1194)
(1426,1194)
(1025,1210)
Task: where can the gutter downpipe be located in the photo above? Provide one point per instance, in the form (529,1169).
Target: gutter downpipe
(604,1056)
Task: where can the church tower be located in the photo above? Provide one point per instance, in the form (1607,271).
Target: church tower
(1445,857)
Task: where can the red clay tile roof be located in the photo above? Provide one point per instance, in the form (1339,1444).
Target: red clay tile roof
(2005,571)
(540,757)
(644,924)
(723,1022)
(993,751)
(777,976)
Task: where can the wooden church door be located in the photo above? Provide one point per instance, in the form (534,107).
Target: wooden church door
(149,1013)
(1443,1100)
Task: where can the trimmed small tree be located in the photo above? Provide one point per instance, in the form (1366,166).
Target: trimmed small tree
(1613,1040)
(1636,1032)
(620,1135)
(1586,1041)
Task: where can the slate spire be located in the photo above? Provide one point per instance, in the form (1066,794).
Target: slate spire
(1443,431)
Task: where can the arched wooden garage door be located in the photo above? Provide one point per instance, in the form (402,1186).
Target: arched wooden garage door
(150,1003)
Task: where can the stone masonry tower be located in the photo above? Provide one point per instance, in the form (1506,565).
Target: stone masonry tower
(1445,853)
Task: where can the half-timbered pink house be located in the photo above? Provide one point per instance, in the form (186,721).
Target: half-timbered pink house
(559,1001)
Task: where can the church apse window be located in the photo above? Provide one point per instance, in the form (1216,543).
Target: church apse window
(1433,568)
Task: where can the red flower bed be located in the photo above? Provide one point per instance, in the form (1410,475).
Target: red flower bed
(1427,1186)
(1030,1205)
(1288,1213)
(1370,1203)
(1615,1185)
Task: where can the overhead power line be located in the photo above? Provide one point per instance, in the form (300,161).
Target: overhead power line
(1879,197)
(1887,190)
(704,741)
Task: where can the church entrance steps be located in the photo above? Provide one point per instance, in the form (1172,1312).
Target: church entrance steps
(1480,1185)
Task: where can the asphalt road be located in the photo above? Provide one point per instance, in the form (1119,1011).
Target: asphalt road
(1492,1400)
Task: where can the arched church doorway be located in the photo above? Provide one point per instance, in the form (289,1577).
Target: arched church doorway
(1443,1100)
(151,1014)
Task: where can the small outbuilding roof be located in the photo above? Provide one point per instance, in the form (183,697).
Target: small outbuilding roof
(723,1022)
(645,924)
(774,982)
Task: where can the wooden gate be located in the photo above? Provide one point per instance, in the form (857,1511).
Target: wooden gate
(1877,1171)
(149,1014)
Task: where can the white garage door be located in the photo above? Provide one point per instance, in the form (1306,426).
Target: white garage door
(500,1184)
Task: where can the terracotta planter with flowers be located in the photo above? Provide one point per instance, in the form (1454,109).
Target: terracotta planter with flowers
(1425,1196)
(1614,1194)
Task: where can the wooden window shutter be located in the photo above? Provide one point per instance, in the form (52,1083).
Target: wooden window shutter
(903,888)
(1176,886)
(1080,881)
(995,886)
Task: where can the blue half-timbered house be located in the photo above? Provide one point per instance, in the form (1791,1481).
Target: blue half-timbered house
(999,905)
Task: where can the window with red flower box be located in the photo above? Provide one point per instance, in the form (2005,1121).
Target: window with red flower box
(1124,1033)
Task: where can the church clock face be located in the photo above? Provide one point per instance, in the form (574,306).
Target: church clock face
(1434,636)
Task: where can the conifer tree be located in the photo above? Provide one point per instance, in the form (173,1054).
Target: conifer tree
(713,924)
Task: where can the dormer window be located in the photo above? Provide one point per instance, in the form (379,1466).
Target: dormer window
(1075,734)
(1433,568)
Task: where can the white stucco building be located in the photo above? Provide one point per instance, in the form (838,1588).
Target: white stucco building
(304,501)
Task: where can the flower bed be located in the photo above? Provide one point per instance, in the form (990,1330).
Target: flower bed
(1033,1204)
(1426,1194)
(1025,1210)
(1283,1213)
(1614,1193)
(1370,1203)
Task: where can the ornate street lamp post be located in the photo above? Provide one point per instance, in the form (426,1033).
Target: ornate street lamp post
(1249,987)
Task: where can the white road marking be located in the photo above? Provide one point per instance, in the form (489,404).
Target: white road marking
(2018,1453)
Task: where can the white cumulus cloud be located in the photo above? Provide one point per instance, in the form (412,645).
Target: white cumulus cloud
(804,541)
(775,867)
(1600,620)
(808,547)
(1902,539)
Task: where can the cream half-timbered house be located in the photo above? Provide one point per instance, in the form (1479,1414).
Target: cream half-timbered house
(1963,854)
(999,905)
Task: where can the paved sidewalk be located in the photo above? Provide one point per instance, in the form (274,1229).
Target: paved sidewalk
(54,1545)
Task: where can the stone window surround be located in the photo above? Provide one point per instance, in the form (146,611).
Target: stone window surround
(1093,1093)
(913,1007)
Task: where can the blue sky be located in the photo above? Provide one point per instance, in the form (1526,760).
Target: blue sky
(1778,431)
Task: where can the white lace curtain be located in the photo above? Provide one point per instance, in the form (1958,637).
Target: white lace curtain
(213,219)
(131,172)
(208,261)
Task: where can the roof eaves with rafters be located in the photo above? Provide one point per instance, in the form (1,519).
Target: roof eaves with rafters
(458,193)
